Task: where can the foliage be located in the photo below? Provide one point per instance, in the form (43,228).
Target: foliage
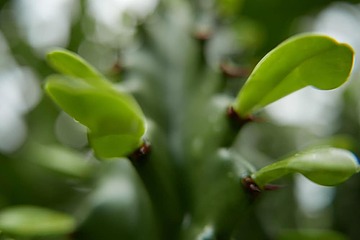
(114,118)
(173,128)
(297,63)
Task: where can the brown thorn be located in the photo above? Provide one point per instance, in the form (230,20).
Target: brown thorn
(203,35)
(117,68)
(140,155)
(251,187)
(234,116)
(272,187)
(239,121)
(234,71)
(254,190)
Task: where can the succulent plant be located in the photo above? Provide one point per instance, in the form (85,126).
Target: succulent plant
(207,171)
(163,134)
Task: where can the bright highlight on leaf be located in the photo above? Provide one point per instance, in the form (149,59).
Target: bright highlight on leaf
(324,166)
(115,121)
(70,64)
(304,60)
(33,221)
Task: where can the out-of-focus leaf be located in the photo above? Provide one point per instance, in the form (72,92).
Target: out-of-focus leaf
(304,60)
(35,221)
(311,234)
(229,8)
(59,159)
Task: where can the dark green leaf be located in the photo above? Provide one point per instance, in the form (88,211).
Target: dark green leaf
(311,234)
(119,207)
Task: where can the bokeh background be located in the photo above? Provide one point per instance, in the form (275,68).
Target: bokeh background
(106,33)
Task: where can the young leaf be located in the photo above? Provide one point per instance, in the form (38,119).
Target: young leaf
(324,166)
(71,64)
(115,121)
(304,60)
(114,145)
(35,221)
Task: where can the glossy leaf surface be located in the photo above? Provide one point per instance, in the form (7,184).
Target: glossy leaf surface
(324,166)
(35,221)
(70,64)
(115,121)
(304,60)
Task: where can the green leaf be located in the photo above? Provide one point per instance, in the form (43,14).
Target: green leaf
(324,166)
(114,145)
(60,159)
(103,112)
(35,221)
(115,121)
(73,65)
(304,60)
(311,234)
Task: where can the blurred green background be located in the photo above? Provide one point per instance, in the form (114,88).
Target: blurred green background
(107,34)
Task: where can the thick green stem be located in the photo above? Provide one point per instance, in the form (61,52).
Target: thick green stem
(158,175)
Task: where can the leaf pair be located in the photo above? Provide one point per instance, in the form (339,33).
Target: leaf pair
(115,121)
(304,60)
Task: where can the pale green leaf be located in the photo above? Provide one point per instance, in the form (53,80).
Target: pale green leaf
(35,221)
(60,159)
(73,65)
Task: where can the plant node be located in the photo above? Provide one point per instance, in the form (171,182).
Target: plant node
(254,190)
(236,120)
(141,154)
(231,71)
